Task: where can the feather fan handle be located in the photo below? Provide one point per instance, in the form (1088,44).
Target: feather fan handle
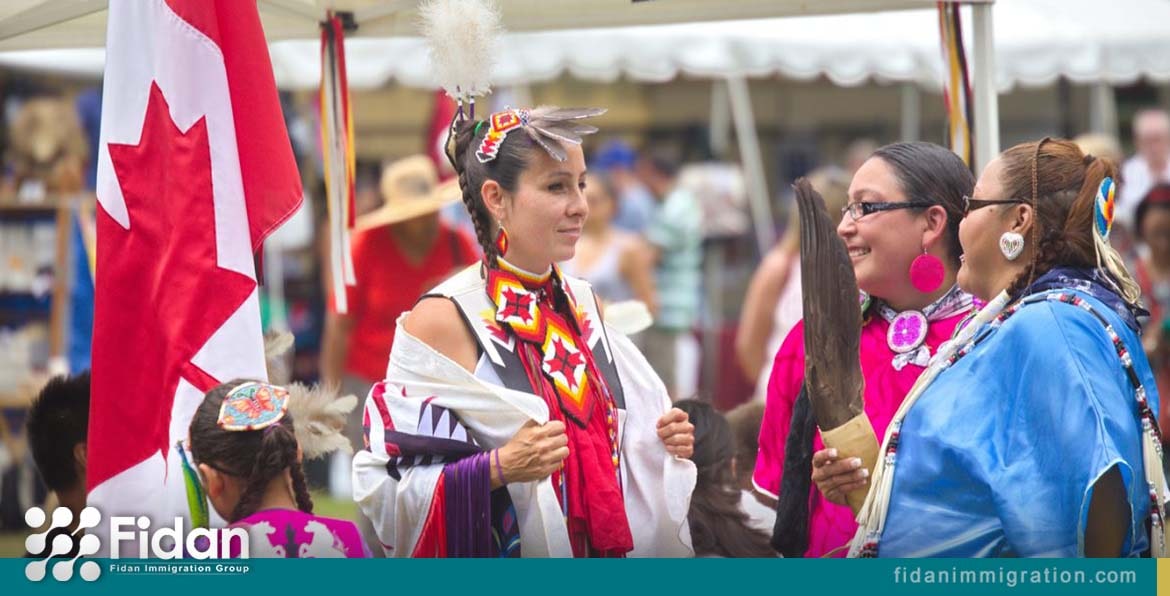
(462,38)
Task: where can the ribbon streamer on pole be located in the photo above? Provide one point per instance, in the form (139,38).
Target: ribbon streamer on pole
(338,154)
(957,83)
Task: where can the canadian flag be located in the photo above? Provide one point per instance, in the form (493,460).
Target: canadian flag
(194,170)
(441,116)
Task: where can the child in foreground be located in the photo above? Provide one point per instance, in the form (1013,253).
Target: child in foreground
(243,444)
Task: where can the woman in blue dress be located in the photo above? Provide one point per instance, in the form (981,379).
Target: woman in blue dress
(1033,432)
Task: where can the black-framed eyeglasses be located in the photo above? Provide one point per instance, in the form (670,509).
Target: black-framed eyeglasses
(970,204)
(859,210)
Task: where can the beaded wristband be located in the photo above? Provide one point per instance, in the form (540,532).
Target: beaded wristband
(499,468)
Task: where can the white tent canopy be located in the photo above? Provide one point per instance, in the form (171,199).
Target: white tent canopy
(742,50)
(42,24)
(1037,41)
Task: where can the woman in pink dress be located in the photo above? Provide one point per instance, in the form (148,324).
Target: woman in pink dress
(901,229)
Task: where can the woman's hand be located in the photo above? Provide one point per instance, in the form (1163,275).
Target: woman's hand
(837,478)
(534,453)
(677,433)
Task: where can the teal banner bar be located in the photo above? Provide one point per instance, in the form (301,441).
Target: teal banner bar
(701,577)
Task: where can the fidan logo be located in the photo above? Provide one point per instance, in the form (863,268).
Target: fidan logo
(166,543)
(63,543)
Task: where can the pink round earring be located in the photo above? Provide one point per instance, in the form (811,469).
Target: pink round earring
(926,272)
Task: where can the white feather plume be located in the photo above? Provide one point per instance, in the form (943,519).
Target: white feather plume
(277,354)
(462,36)
(318,413)
(319,418)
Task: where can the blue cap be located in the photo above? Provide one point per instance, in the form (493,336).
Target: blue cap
(615,154)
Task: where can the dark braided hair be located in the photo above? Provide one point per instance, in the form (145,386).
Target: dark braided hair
(1060,183)
(513,157)
(718,526)
(255,456)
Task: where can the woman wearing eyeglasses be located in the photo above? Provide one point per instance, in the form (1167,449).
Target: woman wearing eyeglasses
(1034,432)
(901,228)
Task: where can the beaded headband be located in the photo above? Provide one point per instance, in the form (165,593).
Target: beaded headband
(501,123)
(550,127)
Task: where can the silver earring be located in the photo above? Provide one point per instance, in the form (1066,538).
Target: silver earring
(1011,245)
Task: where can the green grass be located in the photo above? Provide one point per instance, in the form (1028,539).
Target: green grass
(12,542)
(327,506)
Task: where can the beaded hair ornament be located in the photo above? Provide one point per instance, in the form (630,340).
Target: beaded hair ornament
(253,406)
(1103,208)
(462,38)
(1107,258)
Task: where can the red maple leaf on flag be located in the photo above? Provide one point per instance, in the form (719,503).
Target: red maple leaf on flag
(162,293)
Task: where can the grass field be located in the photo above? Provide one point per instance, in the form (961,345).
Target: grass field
(12,543)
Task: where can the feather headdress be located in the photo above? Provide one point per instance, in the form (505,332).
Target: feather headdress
(462,38)
(553,127)
(550,127)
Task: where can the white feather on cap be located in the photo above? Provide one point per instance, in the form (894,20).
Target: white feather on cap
(319,416)
(462,36)
(318,412)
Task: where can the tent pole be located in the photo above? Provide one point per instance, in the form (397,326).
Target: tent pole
(720,130)
(753,162)
(911,124)
(986,94)
(1102,109)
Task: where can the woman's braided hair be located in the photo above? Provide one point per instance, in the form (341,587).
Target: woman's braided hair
(1061,184)
(515,151)
(255,456)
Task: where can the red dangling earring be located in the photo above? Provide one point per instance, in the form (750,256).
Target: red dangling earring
(926,272)
(501,242)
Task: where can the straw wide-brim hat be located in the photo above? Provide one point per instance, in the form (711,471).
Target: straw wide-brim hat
(410,188)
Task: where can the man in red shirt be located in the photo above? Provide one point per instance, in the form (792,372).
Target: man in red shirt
(400,251)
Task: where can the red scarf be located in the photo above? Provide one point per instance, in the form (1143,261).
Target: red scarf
(542,315)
